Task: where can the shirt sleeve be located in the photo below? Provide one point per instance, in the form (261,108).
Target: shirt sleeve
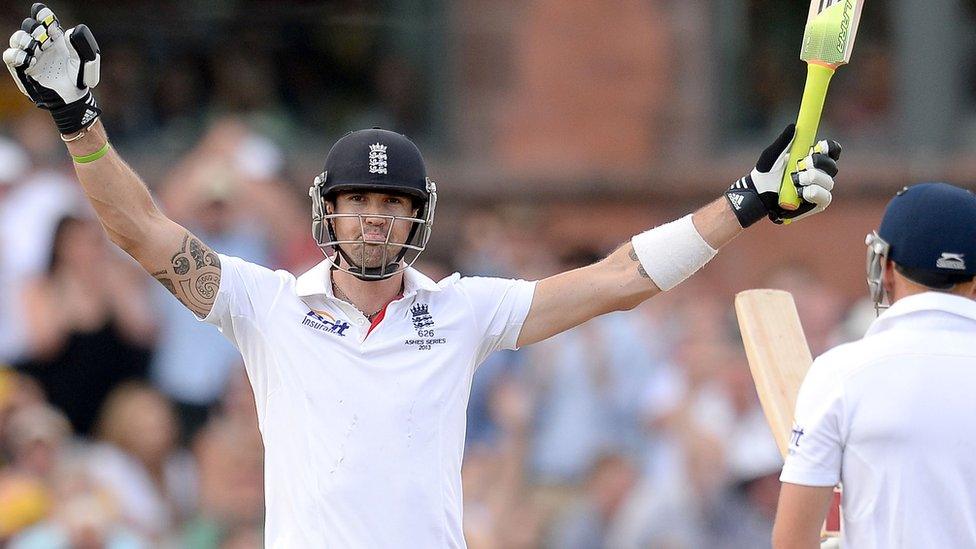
(245,297)
(246,291)
(499,306)
(816,442)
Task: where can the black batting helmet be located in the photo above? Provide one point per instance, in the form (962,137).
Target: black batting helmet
(374,160)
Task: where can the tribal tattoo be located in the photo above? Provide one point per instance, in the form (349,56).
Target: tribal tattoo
(640,268)
(194,275)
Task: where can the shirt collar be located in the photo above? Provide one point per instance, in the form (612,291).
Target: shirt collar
(318,281)
(927,301)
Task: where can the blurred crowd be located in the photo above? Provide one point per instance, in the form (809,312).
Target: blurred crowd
(124,422)
(173,69)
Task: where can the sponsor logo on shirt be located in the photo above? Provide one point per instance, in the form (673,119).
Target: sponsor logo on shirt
(423,323)
(795,434)
(324,322)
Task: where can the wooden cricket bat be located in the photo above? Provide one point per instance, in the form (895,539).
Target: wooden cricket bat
(779,358)
(778,355)
(828,41)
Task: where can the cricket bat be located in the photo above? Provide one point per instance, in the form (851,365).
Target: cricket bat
(828,41)
(779,358)
(778,355)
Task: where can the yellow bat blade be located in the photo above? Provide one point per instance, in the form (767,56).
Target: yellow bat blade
(828,42)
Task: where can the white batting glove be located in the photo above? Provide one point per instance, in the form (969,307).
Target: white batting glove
(814,182)
(56,69)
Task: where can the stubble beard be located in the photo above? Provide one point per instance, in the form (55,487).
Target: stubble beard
(373,258)
(370,255)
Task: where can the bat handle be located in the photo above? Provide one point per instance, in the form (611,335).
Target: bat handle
(814,94)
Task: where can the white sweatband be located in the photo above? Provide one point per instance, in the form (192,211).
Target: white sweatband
(672,252)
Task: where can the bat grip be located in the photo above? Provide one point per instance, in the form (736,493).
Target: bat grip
(807,122)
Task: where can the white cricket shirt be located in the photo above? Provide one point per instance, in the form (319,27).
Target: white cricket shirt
(893,417)
(363,434)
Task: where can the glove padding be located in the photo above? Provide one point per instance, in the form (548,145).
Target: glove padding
(757,195)
(56,69)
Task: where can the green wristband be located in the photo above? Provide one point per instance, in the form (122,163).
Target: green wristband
(93,156)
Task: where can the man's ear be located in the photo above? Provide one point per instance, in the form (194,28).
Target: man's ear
(888,282)
(971,291)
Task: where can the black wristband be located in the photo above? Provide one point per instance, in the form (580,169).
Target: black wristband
(745,202)
(76,116)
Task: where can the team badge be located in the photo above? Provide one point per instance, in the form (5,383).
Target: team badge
(421,317)
(423,323)
(377,158)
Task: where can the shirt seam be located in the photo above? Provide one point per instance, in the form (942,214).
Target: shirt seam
(273,359)
(790,474)
(445,517)
(859,367)
(256,327)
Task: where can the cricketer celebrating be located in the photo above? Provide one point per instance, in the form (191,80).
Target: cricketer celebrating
(890,416)
(361,367)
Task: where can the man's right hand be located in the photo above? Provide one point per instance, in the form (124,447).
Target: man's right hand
(56,69)
(757,195)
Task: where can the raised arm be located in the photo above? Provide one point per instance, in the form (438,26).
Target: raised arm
(659,259)
(171,254)
(56,69)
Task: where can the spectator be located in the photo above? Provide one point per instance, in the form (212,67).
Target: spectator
(24,501)
(500,509)
(17,392)
(482,252)
(817,302)
(35,438)
(29,209)
(14,164)
(84,516)
(225,183)
(139,463)
(689,408)
(585,524)
(231,485)
(586,383)
(743,514)
(90,326)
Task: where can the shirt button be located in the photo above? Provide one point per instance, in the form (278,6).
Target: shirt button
(360,321)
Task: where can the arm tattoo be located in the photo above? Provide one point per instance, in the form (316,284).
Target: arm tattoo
(194,275)
(640,268)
